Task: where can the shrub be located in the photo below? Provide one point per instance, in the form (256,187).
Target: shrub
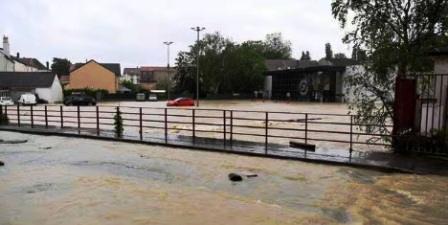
(118,124)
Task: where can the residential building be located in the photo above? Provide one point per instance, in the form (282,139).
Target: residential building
(151,75)
(148,76)
(45,85)
(94,75)
(131,74)
(9,63)
(6,60)
(29,65)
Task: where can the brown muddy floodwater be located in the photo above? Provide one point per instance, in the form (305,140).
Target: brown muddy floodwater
(56,180)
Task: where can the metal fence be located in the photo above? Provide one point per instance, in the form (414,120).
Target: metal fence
(432,90)
(327,131)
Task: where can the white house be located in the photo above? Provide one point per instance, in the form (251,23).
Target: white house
(45,85)
(10,63)
(6,60)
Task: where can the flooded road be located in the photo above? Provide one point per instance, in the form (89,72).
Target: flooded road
(56,180)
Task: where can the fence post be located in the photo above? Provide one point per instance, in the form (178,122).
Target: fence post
(141,123)
(166,125)
(6,111)
(79,119)
(306,128)
(351,134)
(32,116)
(97,121)
(61,110)
(225,127)
(231,127)
(46,117)
(1,110)
(193,121)
(266,133)
(18,114)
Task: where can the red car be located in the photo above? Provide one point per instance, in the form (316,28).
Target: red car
(181,102)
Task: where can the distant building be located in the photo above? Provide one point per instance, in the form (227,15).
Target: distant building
(131,74)
(148,76)
(308,80)
(45,85)
(95,75)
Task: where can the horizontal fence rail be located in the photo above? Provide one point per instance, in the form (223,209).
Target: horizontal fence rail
(333,131)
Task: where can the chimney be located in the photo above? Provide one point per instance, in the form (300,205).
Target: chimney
(6,45)
(18,55)
(48,65)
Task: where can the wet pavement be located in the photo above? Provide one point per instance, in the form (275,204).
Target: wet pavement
(60,180)
(372,160)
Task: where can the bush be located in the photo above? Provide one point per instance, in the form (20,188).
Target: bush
(118,124)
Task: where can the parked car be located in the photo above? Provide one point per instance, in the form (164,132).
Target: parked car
(79,99)
(140,96)
(6,101)
(152,97)
(27,99)
(181,102)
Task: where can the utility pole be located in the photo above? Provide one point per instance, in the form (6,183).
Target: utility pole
(168,43)
(198,31)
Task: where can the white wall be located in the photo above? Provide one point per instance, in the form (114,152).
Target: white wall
(51,94)
(5,64)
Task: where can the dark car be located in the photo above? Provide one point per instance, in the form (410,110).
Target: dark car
(79,99)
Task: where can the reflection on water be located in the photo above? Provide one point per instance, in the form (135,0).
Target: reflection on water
(53,180)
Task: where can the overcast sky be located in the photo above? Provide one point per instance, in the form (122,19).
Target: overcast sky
(131,32)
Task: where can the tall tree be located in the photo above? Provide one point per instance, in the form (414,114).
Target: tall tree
(328,51)
(61,66)
(396,35)
(340,56)
(276,47)
(225,66)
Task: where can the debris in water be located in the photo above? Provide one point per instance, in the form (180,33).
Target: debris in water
(46,148)
(13,141)
(235,177)
(2,163)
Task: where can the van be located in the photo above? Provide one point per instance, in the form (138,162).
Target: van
(27,99)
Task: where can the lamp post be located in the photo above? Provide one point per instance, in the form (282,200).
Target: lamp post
(168,43)
(198,31)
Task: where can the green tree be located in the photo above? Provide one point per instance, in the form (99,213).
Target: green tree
(61,66)
(396,35)
(223,66)
(275,47)
(131,86)
(340,56)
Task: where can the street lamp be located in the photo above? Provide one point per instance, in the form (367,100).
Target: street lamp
(198,31)
(168,43)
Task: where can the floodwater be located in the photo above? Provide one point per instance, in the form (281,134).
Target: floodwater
(56,180)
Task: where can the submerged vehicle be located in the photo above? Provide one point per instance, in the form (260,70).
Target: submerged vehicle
(79,99)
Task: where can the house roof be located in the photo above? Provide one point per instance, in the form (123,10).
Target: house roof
(439,51)
(31,62)
(131,71)
(113,67)
(155,68)
(280,64)
(311,69)
(26,79)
